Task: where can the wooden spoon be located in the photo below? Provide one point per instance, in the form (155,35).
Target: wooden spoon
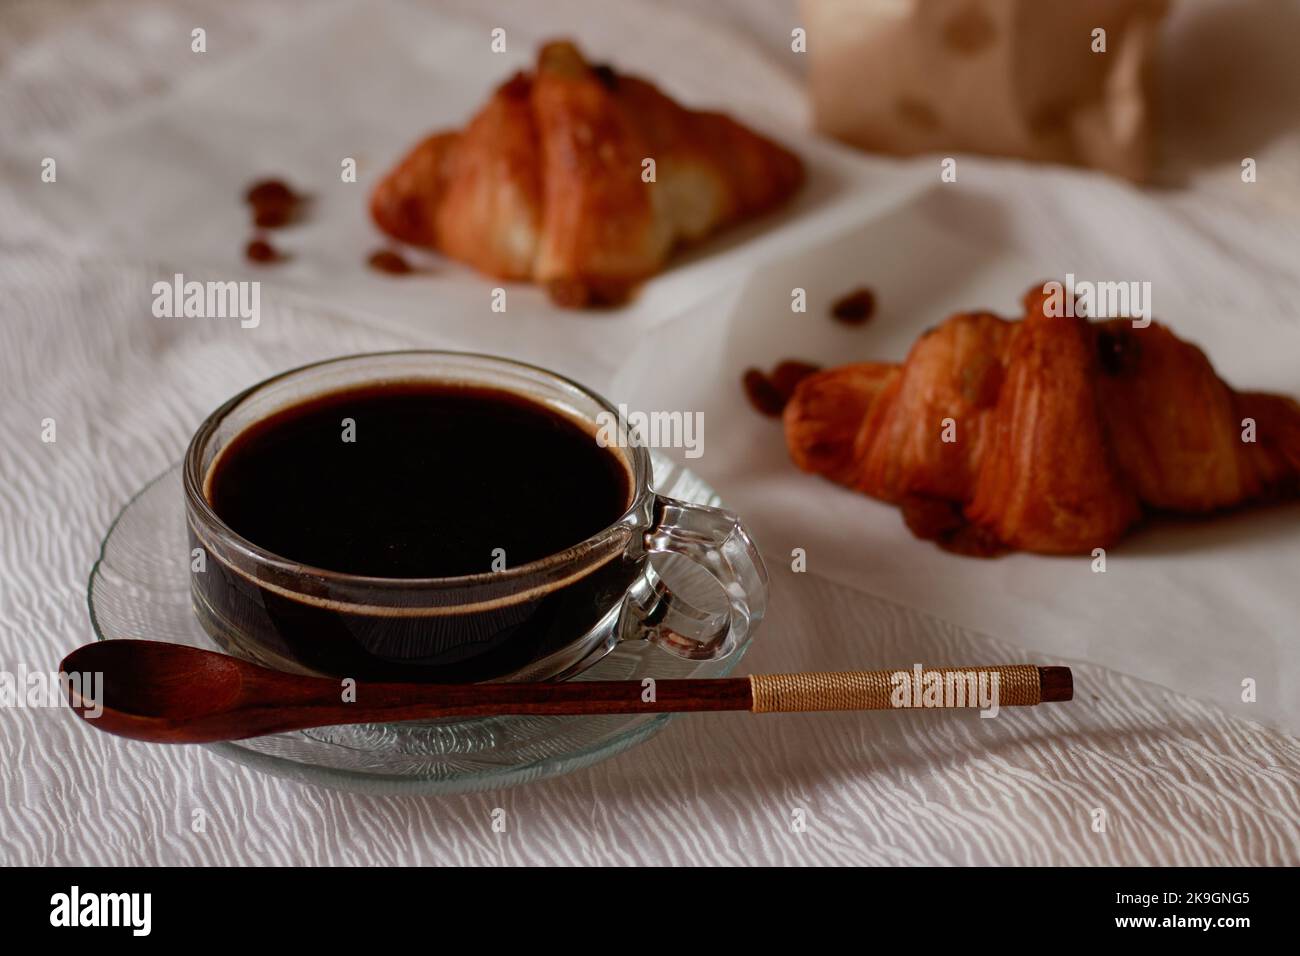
(171,693)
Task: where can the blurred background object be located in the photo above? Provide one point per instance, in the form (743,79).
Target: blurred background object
(1045,80)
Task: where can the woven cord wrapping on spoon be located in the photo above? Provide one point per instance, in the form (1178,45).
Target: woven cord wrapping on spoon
(1018,685)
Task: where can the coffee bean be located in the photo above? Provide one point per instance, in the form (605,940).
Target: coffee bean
(386,260)
(762,394)
(259,250)
(855,308)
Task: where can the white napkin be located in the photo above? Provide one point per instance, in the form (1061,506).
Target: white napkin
(1197,608)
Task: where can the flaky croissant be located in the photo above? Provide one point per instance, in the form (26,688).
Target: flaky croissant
(549,181)
(1050,434)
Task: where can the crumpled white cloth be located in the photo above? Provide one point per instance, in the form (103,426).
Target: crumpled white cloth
(154,146)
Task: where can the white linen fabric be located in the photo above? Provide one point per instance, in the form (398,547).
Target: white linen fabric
(153,145)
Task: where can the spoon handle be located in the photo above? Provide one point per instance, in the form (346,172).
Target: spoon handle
(1014,685)
(301,705)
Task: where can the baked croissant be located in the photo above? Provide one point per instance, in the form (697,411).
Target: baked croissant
(1050,434)
(546,182)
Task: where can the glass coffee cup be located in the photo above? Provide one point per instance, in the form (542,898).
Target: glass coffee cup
(547,618)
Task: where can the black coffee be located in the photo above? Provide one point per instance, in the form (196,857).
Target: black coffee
(418,481)
(410,481)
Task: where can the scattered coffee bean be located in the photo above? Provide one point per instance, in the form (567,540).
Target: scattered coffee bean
(788,374)
(762,394)
(259,250)
(769,394)
(856,308)
(269,191)
(272,215)
(386,260)
(274,203)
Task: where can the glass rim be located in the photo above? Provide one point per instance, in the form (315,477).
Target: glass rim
(636,456)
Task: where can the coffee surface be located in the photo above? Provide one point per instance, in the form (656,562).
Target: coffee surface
(414,480)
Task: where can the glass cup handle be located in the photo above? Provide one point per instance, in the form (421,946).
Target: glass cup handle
(715,541)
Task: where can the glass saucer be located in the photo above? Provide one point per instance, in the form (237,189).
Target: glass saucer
(139,588)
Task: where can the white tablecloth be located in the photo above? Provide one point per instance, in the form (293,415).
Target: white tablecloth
(1180,780)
